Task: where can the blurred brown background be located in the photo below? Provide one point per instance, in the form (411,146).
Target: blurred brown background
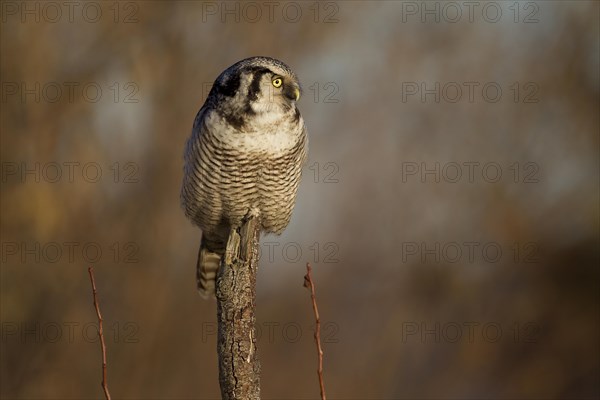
(449,206)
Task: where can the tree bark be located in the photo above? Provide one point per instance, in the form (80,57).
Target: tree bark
(239,367)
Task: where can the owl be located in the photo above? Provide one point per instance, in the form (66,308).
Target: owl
(244,157)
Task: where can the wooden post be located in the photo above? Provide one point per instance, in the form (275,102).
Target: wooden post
(239,367)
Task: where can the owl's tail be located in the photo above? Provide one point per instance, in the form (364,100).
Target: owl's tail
(207,266)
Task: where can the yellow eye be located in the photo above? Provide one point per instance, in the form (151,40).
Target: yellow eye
(277,82)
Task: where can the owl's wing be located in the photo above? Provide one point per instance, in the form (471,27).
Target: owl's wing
(304,150)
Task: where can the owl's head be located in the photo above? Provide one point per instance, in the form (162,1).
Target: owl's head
(256,85)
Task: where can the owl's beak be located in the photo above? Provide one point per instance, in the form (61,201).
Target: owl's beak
(292,92)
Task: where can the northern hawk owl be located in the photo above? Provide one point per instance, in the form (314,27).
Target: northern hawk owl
(244,157)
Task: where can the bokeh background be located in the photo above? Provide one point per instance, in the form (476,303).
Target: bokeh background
(445,285)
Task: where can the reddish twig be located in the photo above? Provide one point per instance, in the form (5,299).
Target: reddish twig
(308,283)
(100,334)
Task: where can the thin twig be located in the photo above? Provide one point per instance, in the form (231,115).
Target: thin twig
(100,334)
(308,282)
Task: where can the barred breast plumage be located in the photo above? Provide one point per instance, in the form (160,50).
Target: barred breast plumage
(244,156)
